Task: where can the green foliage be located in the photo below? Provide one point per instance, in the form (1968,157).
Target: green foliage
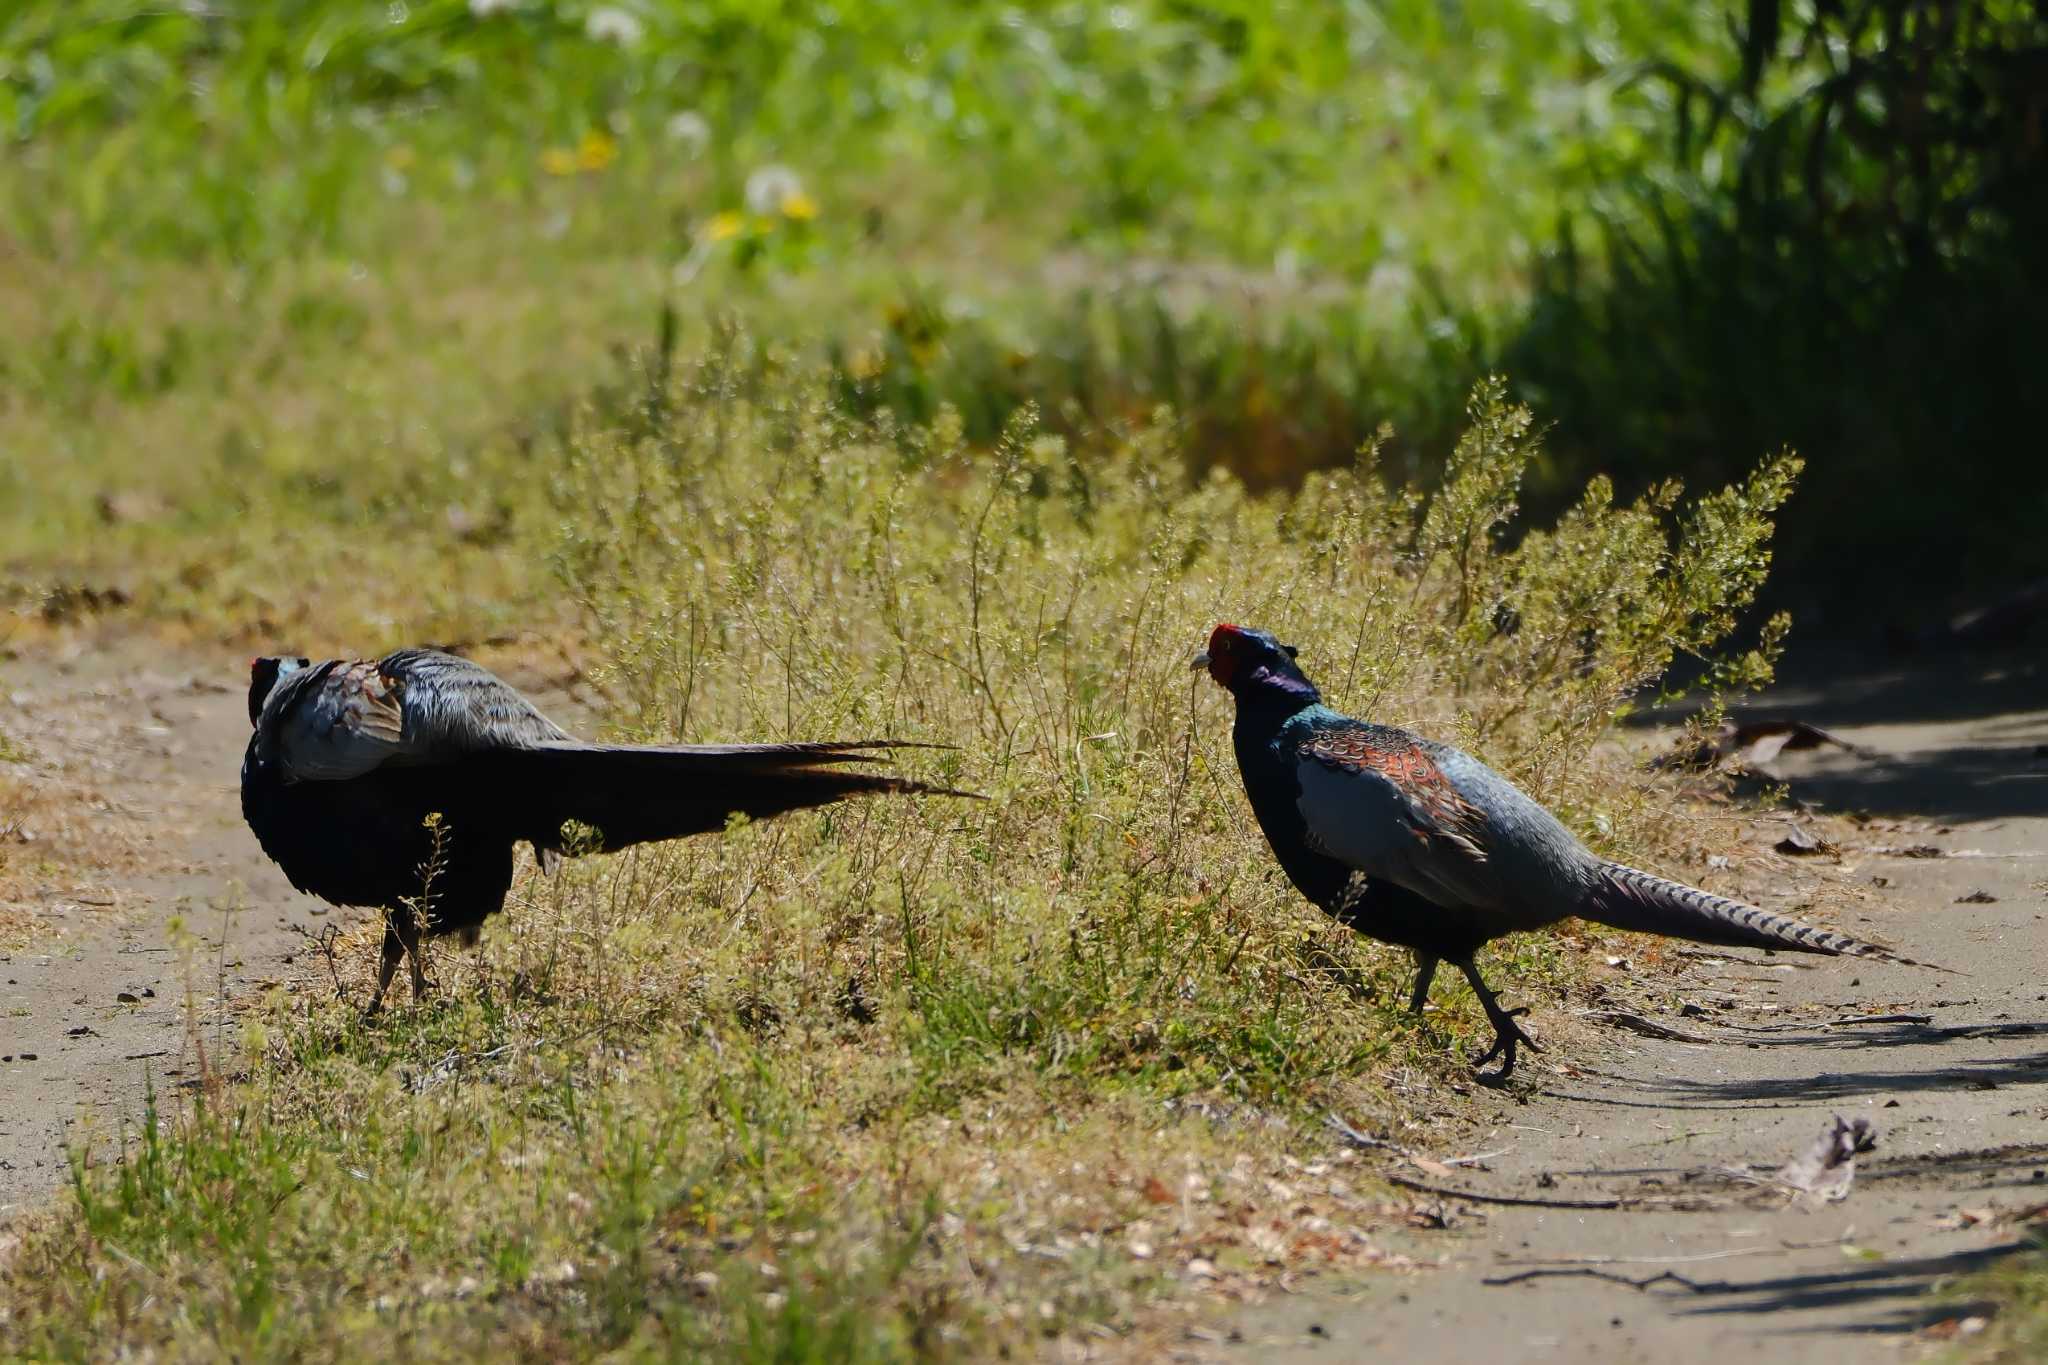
(2013,1294)
(251,130)
(346,260)
(1841,250)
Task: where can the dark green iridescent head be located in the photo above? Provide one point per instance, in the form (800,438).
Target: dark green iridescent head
(1249,663)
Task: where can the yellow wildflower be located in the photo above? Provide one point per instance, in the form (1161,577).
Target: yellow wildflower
(723,227)
(596,151)
(798,206)
(865,363)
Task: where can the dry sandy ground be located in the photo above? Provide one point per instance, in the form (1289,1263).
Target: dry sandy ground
(125,821)
(1956,1087)
(129,887)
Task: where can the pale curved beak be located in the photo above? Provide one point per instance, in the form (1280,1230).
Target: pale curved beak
(1200,660)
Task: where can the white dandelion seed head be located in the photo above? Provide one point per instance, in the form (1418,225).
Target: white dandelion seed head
(611,24)
(689,130)
(771,186)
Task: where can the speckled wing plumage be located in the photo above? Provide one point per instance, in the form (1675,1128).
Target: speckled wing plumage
(344,718)
(1377,800)
(1433,809)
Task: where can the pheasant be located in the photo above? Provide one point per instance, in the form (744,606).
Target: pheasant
(1419,844)
(350,760)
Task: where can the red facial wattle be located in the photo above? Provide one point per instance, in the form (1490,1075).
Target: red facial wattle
(1225,652)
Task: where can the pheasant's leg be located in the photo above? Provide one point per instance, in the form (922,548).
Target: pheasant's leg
(387,967)
(1425,972)
(1506,1032)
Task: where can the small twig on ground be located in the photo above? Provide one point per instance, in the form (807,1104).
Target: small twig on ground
(1589,1273)
(1732,960)
(1649,1028)
(1475,1158)
(1530,1202)
(1837,1023)
(1363,1141)
(324,941)
(1641,1260)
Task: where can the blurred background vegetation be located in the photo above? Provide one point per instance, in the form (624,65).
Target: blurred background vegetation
(335,264)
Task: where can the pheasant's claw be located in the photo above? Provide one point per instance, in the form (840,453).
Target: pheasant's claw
(1507,1034)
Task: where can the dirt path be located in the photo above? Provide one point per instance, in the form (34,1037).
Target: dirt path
(134,884)
(1959,1100)
(125,823)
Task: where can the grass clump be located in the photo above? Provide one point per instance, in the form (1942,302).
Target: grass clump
(2008,1303)
(906,1078)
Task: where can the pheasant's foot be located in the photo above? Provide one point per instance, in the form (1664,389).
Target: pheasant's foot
(1507,1034)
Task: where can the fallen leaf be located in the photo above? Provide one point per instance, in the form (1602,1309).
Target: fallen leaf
(1801,843)
(1957,1219)
(1949,1328)
(1977,897)
(1428,1166)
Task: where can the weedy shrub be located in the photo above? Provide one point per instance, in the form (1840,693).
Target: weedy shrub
(915,1078)
(757,562)
(1999,1314)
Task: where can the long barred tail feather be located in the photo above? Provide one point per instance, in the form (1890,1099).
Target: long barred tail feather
(1629,898)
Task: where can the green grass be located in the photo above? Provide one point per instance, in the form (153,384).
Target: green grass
(920,1078)
(2009,1303)
(1154,126)
(281,275)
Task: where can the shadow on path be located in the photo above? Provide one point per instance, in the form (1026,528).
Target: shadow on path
(1890,1296)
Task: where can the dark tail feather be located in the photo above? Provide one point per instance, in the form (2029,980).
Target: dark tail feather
(633,794)
(1629,898)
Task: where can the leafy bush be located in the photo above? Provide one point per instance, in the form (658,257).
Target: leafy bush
(1844,251)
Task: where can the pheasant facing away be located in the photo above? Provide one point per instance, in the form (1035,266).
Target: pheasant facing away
(350,758)
(1419,844)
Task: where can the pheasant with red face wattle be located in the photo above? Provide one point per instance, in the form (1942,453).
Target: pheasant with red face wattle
(1419,844)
